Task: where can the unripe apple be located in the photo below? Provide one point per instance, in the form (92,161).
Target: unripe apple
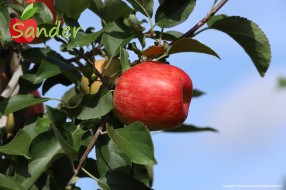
(10,125)
(102,66)
(154,93)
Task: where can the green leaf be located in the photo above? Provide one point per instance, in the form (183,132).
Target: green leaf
(96,6)
(72,8)
(43,14)
(83,39)
(62,79)
(133,23)
(114,9)
(135,141)
(109,157)
(18,102)
(144,174)
(116,35)
(197,93)
(190,128)
(143,6)
(4,24)
(19,146)
(190,45)
(91,106)
(29,55)
(124,60)
(171,13)
(24,137)
(97,108)
(50,66)
(120,180)
(282,82)
(44,150)
(110,10)
(249,36)
(169,36)
(29,11)
(71,97)
(8,184)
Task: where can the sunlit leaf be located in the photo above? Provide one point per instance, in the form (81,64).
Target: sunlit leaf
(135,141)
(18,102)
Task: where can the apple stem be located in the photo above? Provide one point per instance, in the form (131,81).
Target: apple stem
(85,154)
(191,32)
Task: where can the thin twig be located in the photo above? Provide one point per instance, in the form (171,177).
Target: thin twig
(202,22)
(85,57)
(85,154)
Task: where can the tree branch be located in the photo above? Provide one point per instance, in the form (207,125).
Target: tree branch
(85,57)
(85,154)
(191,32)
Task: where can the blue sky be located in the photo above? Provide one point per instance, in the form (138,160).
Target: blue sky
(249,111)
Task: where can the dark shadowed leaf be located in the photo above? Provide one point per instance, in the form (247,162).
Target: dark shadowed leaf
(249,36)
(190,128)
(109,157)
(143,6)
(144,174)
(135,141)
(116,35)
(29,55)
(110,10)
(24,137)
(197,93)
(118,180)
(190,45)
(171,13)
(18,102)
(71,97)
(72,8)
(44,150)
(91,166)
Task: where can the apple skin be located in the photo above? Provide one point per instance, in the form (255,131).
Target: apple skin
(36,109)
(110,71)
(25,24)
(154,93)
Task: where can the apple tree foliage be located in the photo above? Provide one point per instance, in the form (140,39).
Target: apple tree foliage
(45,152)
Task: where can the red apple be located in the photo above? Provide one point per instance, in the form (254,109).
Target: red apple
(154,93)
(36,109)
(23,31)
